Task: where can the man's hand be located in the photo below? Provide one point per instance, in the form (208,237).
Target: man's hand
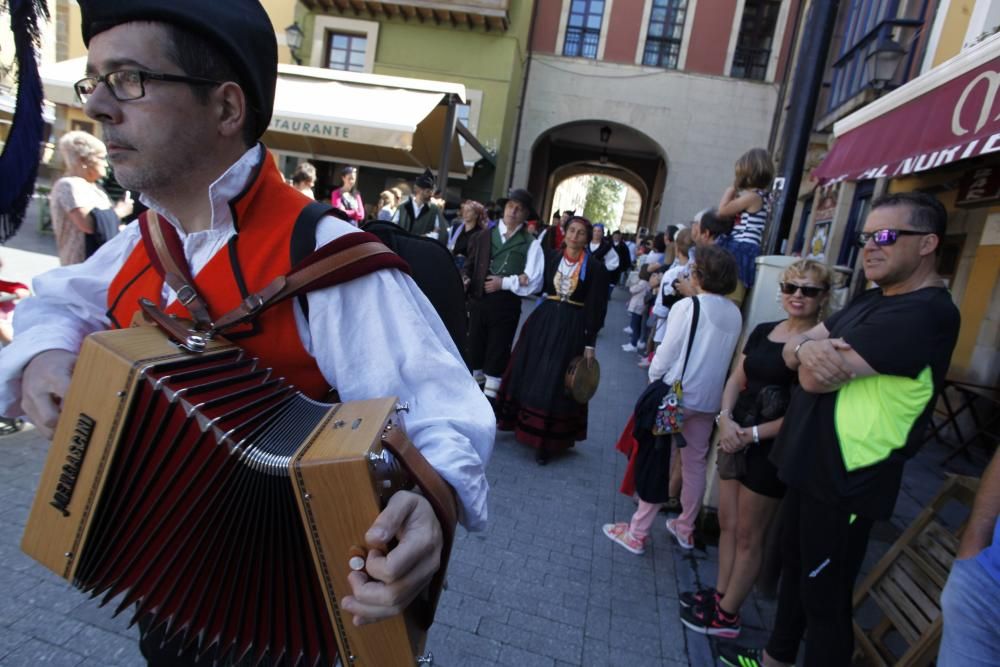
(523,280)
(392,580)
(684,287)
(824,361)
(43,385)
(493,284)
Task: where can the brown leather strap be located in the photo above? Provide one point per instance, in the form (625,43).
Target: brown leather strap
(177,329)
(438,494)
(176,272)
(296,282)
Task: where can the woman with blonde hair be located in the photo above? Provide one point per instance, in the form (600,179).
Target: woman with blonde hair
(753,407)
(76,200)
(387,203)
(472,219)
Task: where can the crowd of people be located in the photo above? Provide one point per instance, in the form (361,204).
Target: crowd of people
(820,411)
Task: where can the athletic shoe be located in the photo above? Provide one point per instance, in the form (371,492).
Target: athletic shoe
(644,362)
(699,598)
(629,347)
(710,620)
(618,532)
(687,544)
(641,345)
(739,656)
(627,330)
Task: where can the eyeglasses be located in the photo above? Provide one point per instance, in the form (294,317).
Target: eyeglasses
(129,84)
(808,291)
(883,237)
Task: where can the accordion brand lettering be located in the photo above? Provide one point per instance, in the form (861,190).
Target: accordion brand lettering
(74,459)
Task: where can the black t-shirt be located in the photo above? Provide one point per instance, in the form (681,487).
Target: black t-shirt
(764,367)
(847,447)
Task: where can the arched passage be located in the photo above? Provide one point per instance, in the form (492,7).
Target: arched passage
(599,147)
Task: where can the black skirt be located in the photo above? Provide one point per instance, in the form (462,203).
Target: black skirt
(532,400)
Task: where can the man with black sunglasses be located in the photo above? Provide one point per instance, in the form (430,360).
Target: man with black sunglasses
(183,91)
(868,379)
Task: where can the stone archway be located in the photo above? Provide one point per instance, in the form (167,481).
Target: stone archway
(599,147)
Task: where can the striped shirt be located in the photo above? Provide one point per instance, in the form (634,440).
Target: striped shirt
(750,226)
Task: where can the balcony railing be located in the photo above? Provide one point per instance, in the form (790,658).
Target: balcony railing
(486,14)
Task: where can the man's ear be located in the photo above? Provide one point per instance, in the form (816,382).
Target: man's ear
(929,244)
(231,104)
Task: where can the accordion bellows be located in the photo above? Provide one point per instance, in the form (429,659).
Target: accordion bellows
(216,501)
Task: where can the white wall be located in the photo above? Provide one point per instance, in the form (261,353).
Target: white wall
(702,123)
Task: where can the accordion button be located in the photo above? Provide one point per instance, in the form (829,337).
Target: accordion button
(357,563)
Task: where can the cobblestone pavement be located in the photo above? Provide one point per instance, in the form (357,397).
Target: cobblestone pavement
(541,586)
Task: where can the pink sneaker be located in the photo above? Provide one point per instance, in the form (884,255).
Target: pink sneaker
(618,532)
(644,362)
(686,544)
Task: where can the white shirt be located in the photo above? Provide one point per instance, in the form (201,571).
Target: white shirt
(534,267)
(719,324)
(610,259)
(450,420)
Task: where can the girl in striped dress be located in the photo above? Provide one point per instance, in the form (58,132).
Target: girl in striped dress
(748,201)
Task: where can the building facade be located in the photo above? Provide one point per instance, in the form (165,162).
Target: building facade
(932,124)
(662,94)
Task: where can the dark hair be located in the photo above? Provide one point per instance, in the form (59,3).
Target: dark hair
(586,223)
(713,224)
(196,56)
(927,214)
(672,232)
(716,269)
(659,242)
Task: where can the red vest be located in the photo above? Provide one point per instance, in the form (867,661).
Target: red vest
(264,216)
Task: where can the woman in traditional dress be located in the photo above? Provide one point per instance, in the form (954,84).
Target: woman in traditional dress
(532,400)
(347,198)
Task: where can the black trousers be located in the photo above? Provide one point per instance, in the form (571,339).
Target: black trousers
(822,549)
(493,322)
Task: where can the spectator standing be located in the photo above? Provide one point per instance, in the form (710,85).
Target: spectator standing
(347,198)
(418,214)
(304,179)
(77,197)
(748,201)
(868,377)
(387,202)
(636,308)
(472,221)
(753,407)
(702,373)
(624,257)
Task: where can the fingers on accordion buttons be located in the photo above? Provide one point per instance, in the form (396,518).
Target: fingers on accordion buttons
(357,559)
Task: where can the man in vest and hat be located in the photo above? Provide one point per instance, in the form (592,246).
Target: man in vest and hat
(504,264)
(418,214)
(183,92)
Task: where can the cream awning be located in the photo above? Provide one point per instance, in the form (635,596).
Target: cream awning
(341,116)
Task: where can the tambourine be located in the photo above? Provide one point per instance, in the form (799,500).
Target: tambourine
(582,379)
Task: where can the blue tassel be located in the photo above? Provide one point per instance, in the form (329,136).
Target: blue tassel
(21,153)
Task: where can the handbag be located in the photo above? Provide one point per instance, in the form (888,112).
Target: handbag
(670,413)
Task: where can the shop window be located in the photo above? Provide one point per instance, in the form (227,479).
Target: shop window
(583,29)
(754,43)
(868,24)
(665,33)
(346,51)
(855,222)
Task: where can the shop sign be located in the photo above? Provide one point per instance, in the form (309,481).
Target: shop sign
(979,187)
(957,120)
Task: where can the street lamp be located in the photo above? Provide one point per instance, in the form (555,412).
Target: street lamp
(293,38)
(882,63)
(605,134)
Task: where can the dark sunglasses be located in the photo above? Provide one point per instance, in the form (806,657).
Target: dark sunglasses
(807,290)
(883,237)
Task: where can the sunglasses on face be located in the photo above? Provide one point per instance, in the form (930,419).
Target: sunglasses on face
(808,291)
(884,237)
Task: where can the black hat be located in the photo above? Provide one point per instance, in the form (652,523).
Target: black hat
(425,180)
(241,30)
(524,198)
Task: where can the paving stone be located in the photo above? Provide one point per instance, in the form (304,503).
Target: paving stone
(36,652)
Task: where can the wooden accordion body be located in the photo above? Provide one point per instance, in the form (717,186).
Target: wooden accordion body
(220,502)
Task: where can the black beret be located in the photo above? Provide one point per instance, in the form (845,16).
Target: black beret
(425,180)
(241,29)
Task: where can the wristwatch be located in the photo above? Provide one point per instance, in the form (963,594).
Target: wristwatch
(756,435)
(799,347)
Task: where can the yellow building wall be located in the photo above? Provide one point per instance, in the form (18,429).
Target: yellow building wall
(953,30)
(281,12)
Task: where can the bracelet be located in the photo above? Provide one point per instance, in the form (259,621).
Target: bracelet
(756,435)
(798,347)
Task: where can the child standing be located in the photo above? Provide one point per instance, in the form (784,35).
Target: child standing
(748,200)
(636,309)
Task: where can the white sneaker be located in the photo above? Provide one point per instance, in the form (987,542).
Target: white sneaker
(687,544)
(627,330)
(641,345)
(629,347)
